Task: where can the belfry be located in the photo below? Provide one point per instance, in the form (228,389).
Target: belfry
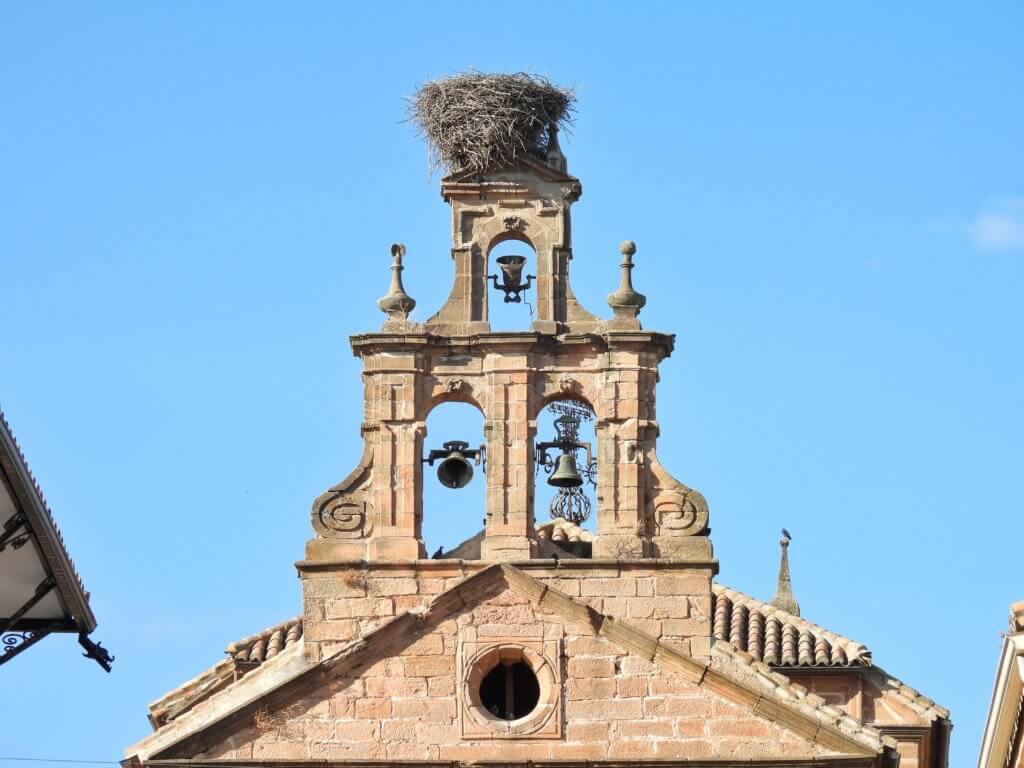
(537,641)
(567,353)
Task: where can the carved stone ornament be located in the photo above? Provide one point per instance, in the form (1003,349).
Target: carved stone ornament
(634,453)
(514,224)
(681,513)
(344,518)
(455,385)
(569,385)
(476,658)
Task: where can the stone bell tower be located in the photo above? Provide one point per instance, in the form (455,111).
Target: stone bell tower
(611,364)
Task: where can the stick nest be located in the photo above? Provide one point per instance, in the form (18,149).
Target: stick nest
(474,121)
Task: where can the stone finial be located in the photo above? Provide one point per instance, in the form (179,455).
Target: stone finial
(626,302)
(784,599)
(397,304)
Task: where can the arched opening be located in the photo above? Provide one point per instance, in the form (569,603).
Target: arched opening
(566,471)
(454,484)
(513,263)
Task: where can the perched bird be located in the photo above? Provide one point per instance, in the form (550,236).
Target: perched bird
(786,534)
(438,555)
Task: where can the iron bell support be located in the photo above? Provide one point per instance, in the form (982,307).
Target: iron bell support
(511,274)
(455,471)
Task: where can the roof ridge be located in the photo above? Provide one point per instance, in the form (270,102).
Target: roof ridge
(777,683)
(924,705)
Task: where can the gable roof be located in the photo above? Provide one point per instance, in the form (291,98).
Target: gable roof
(783,641)
(42,591)
(730,673)
(29,501)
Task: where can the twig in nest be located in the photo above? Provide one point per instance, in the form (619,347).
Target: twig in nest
(474,121)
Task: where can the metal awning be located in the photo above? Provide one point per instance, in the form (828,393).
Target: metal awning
(40,591)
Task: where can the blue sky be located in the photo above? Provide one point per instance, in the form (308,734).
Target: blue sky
(196,205)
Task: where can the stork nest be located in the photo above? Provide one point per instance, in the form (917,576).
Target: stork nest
(474,121)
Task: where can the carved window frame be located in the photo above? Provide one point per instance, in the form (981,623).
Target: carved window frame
(479,657)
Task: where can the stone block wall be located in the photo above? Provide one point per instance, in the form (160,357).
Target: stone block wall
(346,601)
(403,701)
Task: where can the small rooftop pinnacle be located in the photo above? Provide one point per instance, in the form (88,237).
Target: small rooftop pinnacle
(784,598)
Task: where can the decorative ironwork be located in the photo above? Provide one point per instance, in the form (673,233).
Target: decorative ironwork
(571,504)
(41,591)
(15,642)
(12,535)
(565,472)
(576,410)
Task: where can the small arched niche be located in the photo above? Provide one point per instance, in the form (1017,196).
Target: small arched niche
(511,261)
(564,418)
(453,515)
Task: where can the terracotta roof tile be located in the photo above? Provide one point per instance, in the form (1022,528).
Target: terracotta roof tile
(559,529)
(265,645)
(243,656)
(778,638)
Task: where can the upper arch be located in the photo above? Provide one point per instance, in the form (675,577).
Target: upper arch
(504,237)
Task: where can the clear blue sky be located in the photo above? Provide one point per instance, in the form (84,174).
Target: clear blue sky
(196,204)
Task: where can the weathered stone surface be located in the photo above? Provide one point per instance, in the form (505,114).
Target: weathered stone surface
(403,703)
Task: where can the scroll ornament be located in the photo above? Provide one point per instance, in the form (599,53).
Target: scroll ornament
(342,512)
(681,512)
(343,518)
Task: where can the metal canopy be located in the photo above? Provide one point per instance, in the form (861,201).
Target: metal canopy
(40,591)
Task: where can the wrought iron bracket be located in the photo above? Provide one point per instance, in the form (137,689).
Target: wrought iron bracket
(12,535)
(478,455)
(16,642)
(41,591)
(513,293)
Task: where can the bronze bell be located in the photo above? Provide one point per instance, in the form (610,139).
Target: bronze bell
(566,475)
(455,471)
(511,270)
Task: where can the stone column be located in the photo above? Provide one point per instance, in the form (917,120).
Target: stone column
(397,477)
(621,484)
(508,530)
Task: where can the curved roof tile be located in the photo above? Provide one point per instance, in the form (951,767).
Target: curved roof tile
(778,638)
